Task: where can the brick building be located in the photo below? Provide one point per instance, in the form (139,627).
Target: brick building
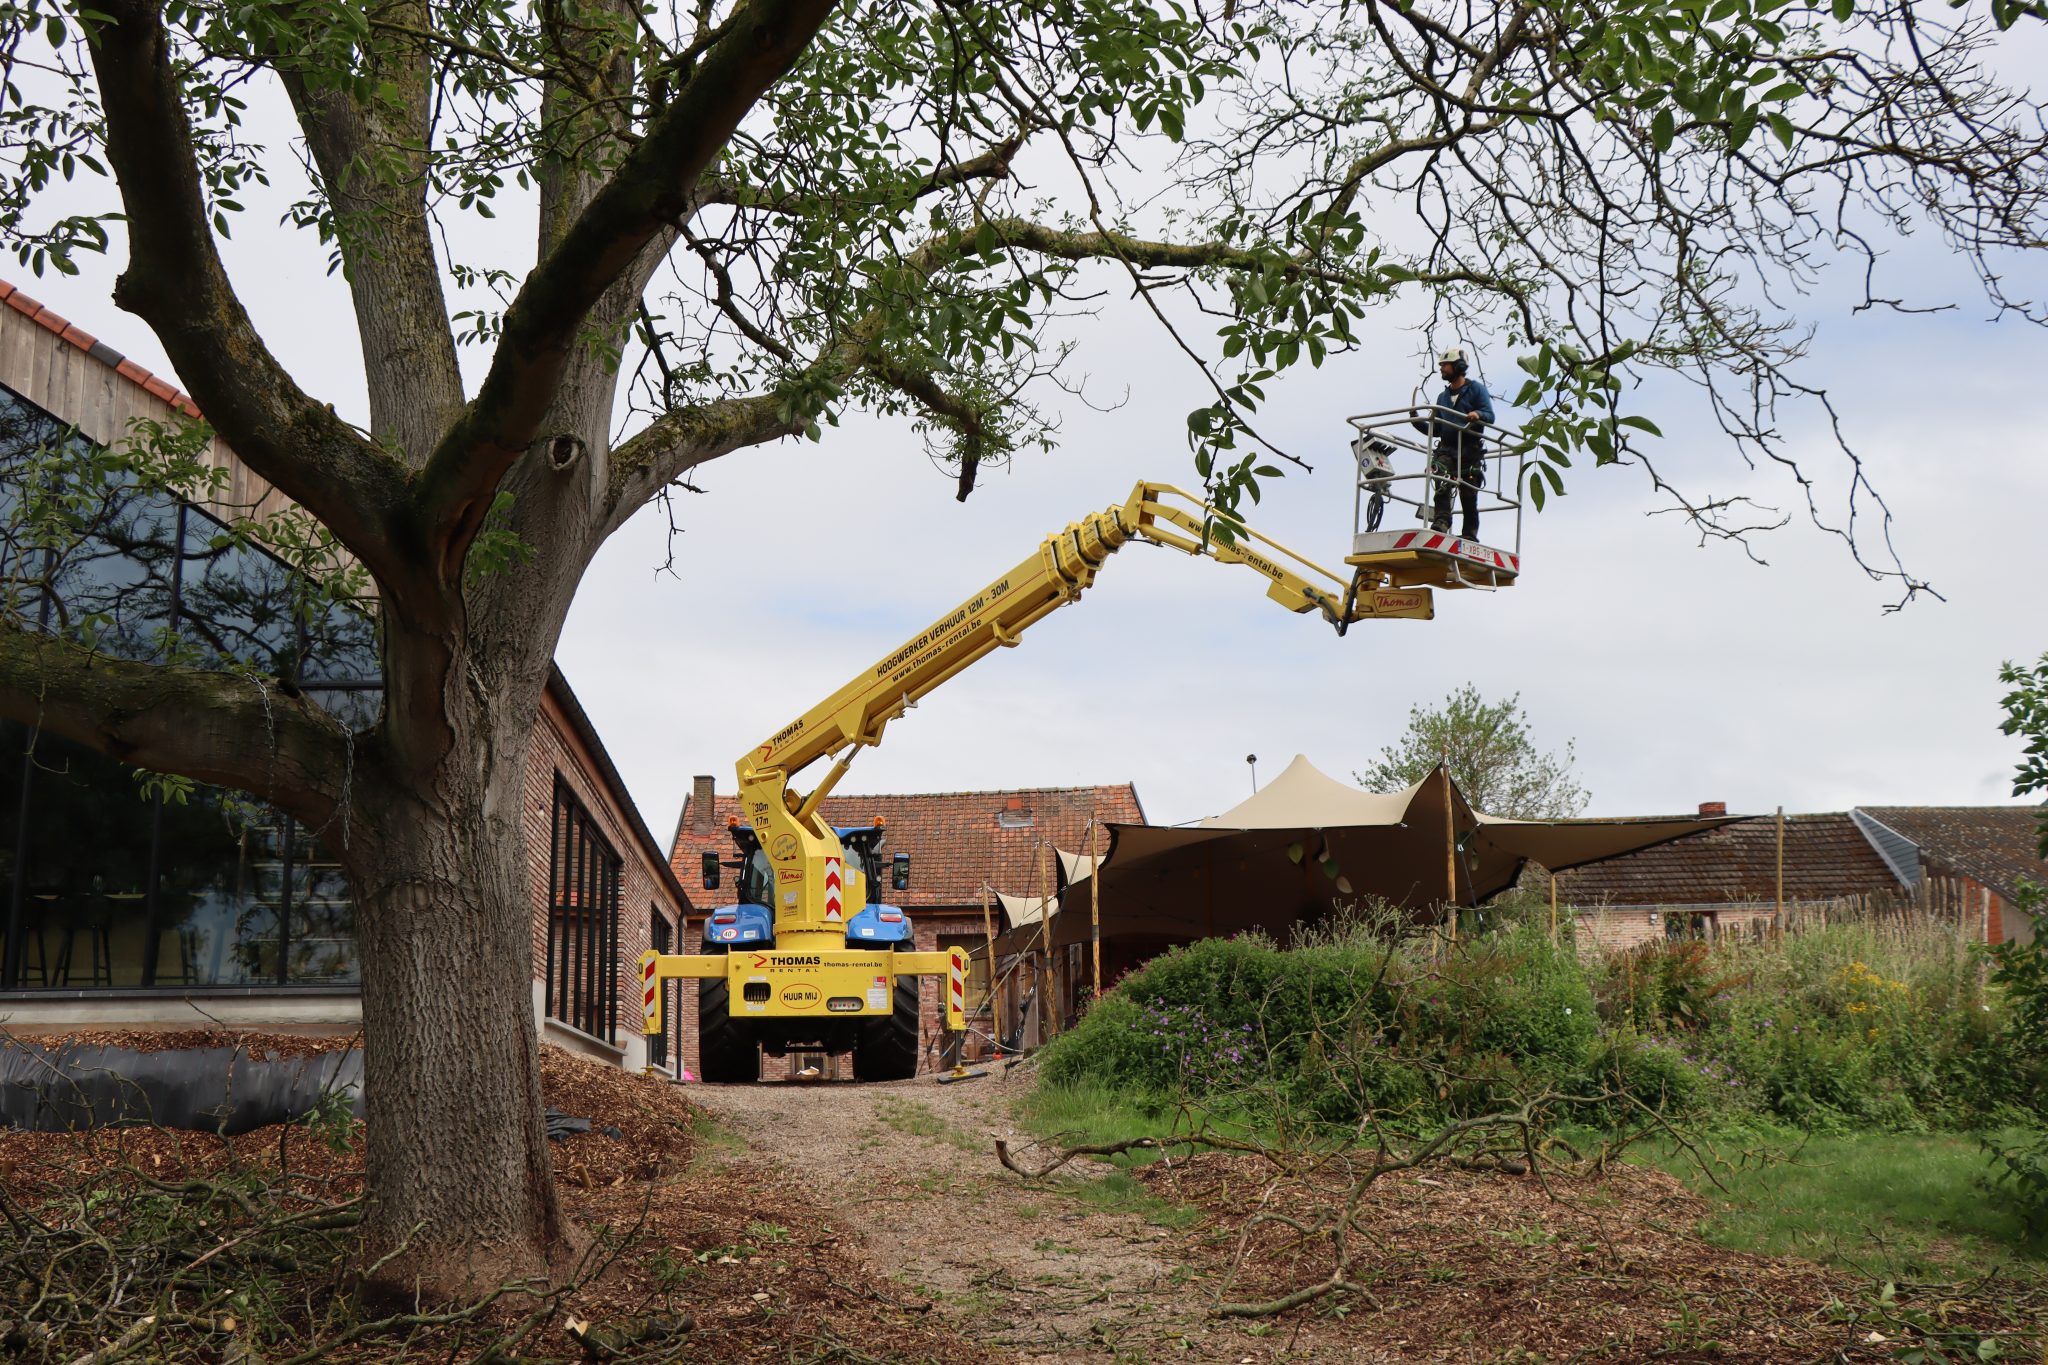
(964,848)
(115,910)
(1963,862)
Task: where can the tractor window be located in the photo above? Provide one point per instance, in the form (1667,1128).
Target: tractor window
(856,860)
(864,855)
(757,880)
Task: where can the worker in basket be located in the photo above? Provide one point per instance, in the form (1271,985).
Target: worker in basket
(1456,431)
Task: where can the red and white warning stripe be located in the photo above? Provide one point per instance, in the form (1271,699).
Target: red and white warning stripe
(1463,549)
(650,994)
(832,886)
(956,990)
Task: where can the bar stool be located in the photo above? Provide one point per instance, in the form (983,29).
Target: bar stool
(94,918)
(188,956)
(34,916)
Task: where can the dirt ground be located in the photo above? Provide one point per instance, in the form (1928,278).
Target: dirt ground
(911,1167)
(873,1225)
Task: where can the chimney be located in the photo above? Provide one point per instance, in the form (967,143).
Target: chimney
(700,803)
(1706,807)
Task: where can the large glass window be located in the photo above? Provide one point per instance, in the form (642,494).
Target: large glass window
(100,885)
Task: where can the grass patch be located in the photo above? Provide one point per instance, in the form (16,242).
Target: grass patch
(1085,1113)
(1892,1205)
(1121,1192)
(918,1119)
(1089,1113)
(714,1144)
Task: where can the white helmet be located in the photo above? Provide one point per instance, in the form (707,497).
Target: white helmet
(1455,355)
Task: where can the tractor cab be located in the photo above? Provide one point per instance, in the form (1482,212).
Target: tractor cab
(751,922)
(877,923)
(1398,538)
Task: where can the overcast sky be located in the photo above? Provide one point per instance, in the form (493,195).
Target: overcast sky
(1683,673)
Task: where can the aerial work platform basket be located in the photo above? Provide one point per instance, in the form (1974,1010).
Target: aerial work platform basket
(1403,484)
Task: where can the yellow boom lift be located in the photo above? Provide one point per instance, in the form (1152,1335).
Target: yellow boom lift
(792,970)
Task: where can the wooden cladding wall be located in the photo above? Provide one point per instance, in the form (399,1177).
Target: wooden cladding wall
(54,372)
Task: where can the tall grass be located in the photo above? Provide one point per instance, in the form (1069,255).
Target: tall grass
(1899,1206)
(1882,1023)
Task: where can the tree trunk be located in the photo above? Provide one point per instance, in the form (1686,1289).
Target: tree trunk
(462,1189)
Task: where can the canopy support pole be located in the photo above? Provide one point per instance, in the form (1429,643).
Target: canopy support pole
(1778,920)
(988,990)
(1095,896)
(1450,855)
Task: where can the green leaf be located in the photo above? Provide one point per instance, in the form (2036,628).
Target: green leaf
(1663,128)
(1639,423)
(1740,125)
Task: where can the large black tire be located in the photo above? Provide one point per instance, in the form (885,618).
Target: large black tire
(887,1050)
(725,1054)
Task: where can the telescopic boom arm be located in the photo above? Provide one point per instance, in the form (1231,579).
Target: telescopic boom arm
(812,983)
(1064,566)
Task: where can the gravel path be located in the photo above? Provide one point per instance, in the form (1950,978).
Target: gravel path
(911,1166)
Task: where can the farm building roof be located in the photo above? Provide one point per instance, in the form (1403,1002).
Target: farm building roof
(956,840)
(1826,857)
(1995,845)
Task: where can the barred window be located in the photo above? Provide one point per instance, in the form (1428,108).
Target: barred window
(584,874)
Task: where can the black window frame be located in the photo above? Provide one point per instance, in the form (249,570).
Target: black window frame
(586,878)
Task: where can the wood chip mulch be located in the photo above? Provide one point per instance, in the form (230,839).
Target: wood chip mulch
(737,1248)
(1485,1266)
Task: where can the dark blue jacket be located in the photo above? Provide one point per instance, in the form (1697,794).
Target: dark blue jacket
(1460,438)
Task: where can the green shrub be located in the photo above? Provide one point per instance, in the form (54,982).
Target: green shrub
(2019,1162)
(1856,1025)
(1667,986)
(1349,1026)
(1650,1071)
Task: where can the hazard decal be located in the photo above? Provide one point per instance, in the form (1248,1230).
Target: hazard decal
(833,882)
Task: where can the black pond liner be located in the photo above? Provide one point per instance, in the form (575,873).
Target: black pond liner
(69,1086)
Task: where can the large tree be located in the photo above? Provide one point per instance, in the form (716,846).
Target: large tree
(756,214)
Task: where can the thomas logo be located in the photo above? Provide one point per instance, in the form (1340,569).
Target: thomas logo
(789,874)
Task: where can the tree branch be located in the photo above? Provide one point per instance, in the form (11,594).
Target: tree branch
(649,191)
(679,441)
(239,732)
(372,160)
(175,282)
